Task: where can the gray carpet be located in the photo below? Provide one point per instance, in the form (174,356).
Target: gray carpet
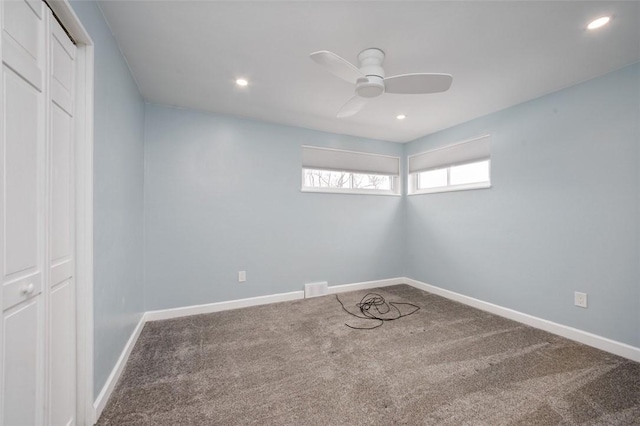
(295,363)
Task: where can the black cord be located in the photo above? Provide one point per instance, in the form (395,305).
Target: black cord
(373,307)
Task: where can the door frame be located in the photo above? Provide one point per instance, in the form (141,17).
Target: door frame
(83,144)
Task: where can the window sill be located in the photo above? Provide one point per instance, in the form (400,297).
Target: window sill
(484,185)
(350,191)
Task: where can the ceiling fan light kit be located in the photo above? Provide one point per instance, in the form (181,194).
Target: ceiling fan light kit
(369,78)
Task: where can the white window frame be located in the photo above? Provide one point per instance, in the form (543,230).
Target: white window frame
(413,177)
(396,186)
(414,182)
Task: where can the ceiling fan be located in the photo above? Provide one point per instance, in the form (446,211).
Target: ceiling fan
(370,81)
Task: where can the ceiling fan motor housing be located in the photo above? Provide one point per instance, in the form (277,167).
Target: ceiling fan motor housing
(370,61)
(370,87)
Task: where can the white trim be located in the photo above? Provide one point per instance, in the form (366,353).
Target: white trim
(366,285)
(350,191)
(105,393)
(65,13)
(163,314)
(590,339)
(453,188)
(221,306)
(84,235)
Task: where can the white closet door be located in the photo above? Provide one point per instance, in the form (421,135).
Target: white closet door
(23,164)
(62,295)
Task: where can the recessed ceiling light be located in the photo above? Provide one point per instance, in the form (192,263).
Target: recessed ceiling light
(401,116)
(597,23)
(241,82)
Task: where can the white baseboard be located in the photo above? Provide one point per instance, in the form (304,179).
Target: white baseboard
(105,393)
(261,300)
(365,285)
(622,349)
(221,306)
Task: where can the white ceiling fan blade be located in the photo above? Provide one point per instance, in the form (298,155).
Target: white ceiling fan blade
(337,66)
(352,107)
(417,83)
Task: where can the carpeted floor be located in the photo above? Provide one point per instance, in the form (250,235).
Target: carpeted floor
(295,363)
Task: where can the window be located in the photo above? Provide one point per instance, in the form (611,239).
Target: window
(465,176)
(469,173)
(432,179)
(345,180)
(333,170)
(456,167)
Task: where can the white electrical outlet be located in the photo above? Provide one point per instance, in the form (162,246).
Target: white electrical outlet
(242,276)
(580,299)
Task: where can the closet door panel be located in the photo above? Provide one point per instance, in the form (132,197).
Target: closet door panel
(22,20)
(22,381)
(63,53)
(22,178)
(62,325)
(23,39)
(23,166)
(62,331)
(62,305)
(62,355)
(61,190)
(23,144)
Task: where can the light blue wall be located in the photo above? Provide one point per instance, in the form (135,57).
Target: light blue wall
(118,196)
(563,213)
(222,194)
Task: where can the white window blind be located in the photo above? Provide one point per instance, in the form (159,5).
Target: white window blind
(460,153)
(317,158)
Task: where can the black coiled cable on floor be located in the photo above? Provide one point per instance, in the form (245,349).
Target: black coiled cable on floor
(374,307)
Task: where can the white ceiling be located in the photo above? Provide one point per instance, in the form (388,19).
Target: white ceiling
(189,54)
